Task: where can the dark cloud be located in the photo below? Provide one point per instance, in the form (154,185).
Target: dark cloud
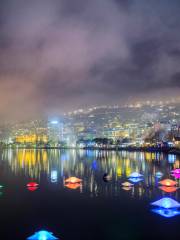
(58,55)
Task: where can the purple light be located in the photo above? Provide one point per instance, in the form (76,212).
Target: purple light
(176,175)
(176,171)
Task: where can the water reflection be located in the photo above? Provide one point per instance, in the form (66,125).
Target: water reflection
(90,166)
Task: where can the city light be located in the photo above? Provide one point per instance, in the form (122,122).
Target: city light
(54,122)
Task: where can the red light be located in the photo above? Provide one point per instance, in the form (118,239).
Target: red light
(32,184)
(32,189)
(168,189)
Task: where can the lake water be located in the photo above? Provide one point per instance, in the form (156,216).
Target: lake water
(95,209)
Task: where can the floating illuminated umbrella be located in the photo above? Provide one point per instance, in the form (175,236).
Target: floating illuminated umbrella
(168,213)
(168,182)
(159,174)
(135,180)
(127,184)
(32,184)
(107,177)
(72,185)
(168,189)
(73,180)
(176,171)
(127,188)
(32,189)
(176,175)
(166,203)
(135,175)
(42,235)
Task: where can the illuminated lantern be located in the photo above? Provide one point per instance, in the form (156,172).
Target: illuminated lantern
(72,185)
(168,213)
(159,174)
(176,171)
(42,235)
(168,189)
(32,184)
(127,184)
(168,182)
(135,175)
(73,180)
(166,203)
(135,180)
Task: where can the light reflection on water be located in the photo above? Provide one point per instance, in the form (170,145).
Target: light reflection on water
(56,165)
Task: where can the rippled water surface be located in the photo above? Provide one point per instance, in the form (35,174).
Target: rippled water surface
(93,209)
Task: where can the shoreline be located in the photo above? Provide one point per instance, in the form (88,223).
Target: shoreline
(128,149)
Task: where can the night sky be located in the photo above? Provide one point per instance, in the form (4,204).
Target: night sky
(59,55)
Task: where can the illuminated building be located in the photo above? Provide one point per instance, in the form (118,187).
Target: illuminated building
(55,132)
(31,139)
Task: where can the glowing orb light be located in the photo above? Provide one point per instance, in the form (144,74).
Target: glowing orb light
(135,175)
(168,182)
(127,184)
(168,213)
(168,189)
(176,171)
(1,186)
(159,174)
(42,235)
(135,180)
(72,185)
(73,180)
(166,203)
(32,184)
